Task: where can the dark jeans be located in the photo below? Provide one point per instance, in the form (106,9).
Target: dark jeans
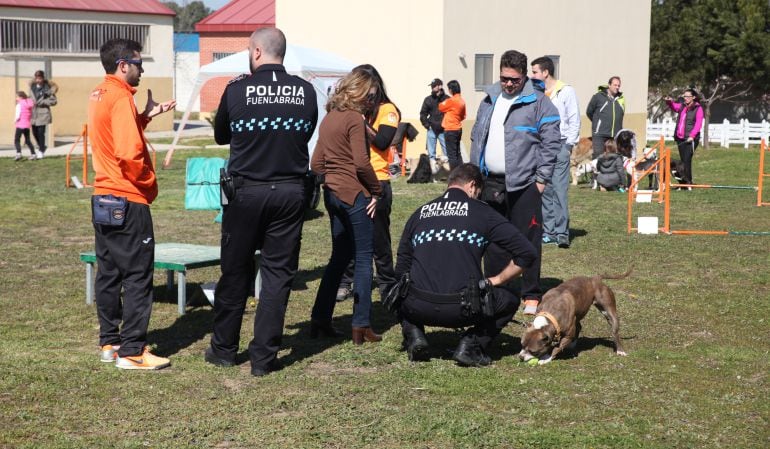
(267,218)
(39,133)
(524,209)
(17,140)
(352,237)
(420,313)
(686,152)
(125,256)
(453,147)
(597,143)
(383,251)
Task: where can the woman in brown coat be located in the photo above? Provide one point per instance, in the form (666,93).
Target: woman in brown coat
(351,191)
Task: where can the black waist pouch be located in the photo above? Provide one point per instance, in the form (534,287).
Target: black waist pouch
(109,210)
(494,191)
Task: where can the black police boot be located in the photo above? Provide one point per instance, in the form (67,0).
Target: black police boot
(470,353)
(212,358)
(416,344)
(259,371)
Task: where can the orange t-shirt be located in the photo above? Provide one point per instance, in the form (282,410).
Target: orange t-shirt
(121,161)
(454,112)
(388,116)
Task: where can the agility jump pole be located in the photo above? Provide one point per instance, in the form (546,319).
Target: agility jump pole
(665,189)
(84,137)
(762,175)
(659,167)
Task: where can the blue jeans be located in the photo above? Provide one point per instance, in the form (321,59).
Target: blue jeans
(555,208)
(352,236)
(431,142)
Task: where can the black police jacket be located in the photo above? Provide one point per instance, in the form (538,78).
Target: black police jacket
(444,240)
(267,118)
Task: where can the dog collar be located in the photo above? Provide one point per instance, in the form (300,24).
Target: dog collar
(553,321)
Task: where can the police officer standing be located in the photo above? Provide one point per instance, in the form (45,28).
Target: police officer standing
(457,227)
(267,118)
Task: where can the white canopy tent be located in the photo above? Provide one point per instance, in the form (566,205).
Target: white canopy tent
(320,68)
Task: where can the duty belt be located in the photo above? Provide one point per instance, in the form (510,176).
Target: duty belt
(435,298)
(240,181)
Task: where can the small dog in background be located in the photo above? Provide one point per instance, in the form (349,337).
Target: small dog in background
(581,154)
(677,170)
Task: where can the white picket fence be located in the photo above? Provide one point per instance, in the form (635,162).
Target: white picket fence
(725,133)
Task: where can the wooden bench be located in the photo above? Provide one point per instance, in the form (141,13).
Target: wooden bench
(172,257)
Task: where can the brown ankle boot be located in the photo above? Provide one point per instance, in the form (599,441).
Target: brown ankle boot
(362,334)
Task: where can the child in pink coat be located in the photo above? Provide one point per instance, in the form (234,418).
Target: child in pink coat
(24,107)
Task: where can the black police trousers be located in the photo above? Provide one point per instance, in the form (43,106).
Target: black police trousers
(419,313)
(125,257)
(266,217)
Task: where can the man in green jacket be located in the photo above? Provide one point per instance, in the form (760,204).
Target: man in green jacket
(605,110)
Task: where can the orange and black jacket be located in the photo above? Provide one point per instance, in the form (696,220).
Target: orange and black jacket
(122,163)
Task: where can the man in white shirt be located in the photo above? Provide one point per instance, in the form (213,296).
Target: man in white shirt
(555,207)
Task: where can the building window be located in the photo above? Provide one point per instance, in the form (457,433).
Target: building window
(483,68)
(217,55)
(29,36)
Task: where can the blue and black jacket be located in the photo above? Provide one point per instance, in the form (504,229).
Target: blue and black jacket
(532,135)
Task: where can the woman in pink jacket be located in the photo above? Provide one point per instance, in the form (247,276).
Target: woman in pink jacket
(24,107)
(688,126)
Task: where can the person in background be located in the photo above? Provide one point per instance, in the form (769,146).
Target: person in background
(124,187)
(44,94)
(688,127)
(382,118)
(555,205)
(611,172)
(24,106)
(454,114)
(606,110)
(351,194)
(431,118)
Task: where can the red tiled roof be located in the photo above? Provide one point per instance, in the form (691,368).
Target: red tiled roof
(117,6)
(239,15)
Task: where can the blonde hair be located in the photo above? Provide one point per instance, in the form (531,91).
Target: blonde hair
(351,92)
(610,147)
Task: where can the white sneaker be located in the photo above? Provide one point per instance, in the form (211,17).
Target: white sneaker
(39,155)
(18,157)
(109,353)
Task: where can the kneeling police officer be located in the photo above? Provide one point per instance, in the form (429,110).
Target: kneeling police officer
(439,270)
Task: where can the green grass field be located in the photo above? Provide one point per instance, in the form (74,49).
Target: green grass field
(694,318)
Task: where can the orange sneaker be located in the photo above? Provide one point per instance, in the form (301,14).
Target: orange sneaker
(109,353)
(530,306)
(145,360)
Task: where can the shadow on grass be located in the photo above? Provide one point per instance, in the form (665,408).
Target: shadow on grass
(186,330)
(303,346)
(302,277)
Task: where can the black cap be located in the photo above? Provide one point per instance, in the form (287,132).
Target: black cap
(435,82)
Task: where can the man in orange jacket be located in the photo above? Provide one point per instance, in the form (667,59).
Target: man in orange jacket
(124,187)
(454,114)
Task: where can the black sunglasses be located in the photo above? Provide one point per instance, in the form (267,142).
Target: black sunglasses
(510,79)
(136,62)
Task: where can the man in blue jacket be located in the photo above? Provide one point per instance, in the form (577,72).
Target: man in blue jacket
(515,142)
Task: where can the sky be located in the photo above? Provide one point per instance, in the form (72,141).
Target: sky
(213,4)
